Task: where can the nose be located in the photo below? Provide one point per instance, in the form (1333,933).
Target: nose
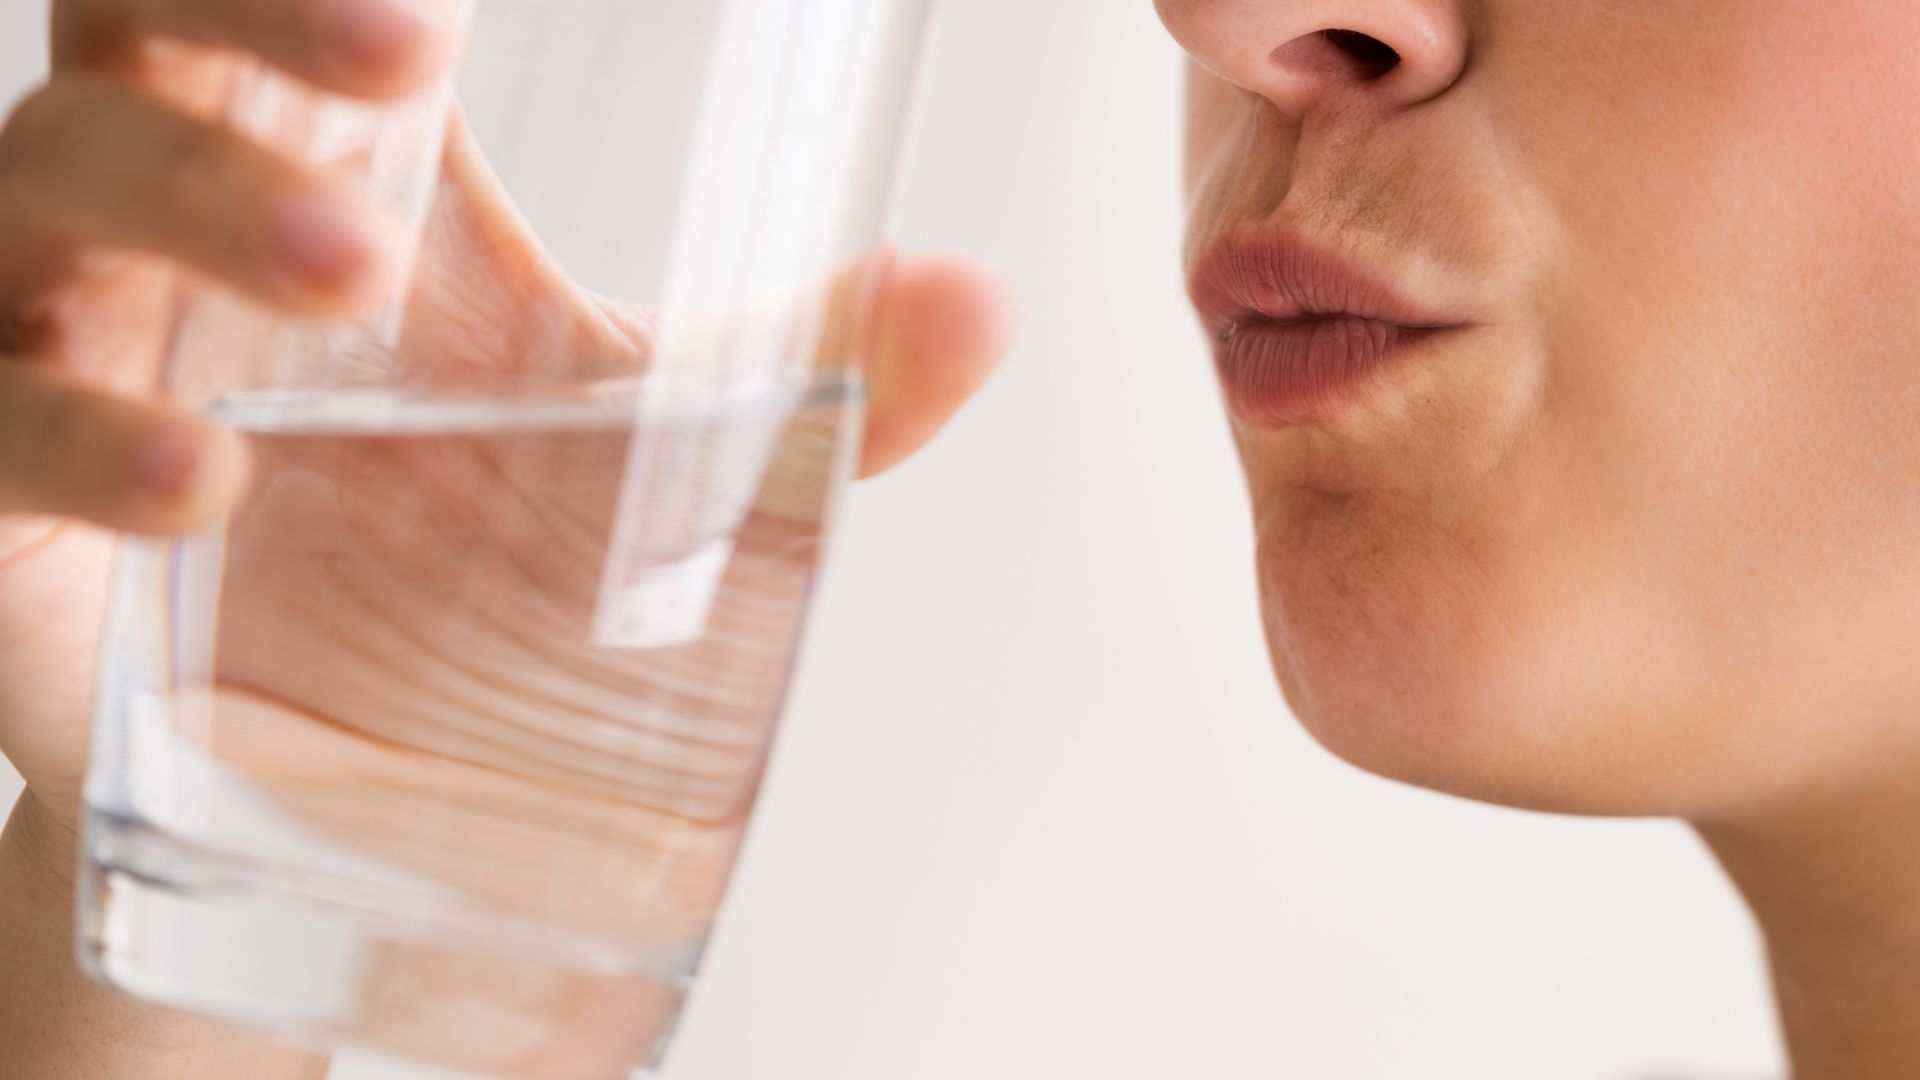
(1294,53)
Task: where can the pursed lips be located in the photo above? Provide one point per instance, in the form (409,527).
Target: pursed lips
(1297,330)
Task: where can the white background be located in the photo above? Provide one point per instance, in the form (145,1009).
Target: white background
(1039,811)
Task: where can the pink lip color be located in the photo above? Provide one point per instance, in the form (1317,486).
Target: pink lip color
(1297,331)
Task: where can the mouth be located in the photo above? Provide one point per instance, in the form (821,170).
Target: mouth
(1297,332)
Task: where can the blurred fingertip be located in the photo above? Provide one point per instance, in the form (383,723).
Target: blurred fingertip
(333,254)
(168,460)
(960,291)
(187,472)
(979,319)
(952,322)
(947,325)
(393,45)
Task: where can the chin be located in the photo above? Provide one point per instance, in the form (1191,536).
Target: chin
(1425,659)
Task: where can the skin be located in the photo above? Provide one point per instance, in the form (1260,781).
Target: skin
(1640,539)
(1637,540)
(116,188)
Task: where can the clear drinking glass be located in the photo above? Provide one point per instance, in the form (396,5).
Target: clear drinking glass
(443,744)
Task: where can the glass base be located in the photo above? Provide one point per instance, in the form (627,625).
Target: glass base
(218,934)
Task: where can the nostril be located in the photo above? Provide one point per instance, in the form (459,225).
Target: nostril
(1342,54)
(1370,55)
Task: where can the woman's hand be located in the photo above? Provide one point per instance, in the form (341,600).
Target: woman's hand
(119,186)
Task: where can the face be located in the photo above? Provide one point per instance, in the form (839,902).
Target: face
(1569,351)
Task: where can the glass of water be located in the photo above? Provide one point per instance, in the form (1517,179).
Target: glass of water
(444,742)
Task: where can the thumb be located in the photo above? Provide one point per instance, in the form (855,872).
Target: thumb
(939,328)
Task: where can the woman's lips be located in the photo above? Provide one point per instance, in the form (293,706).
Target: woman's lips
(1296,331)
(1294,372)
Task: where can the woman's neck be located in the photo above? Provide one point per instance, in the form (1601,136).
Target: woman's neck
(1834,881)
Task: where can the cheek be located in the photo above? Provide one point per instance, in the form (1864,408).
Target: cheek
(1702,554)
(1732,375)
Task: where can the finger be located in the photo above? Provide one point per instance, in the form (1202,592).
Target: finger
(70,451)
(940,329)
(90,160)
(368,48)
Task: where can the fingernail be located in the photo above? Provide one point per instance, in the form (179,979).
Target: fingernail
(168,459)
(381,30)
(324,244)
